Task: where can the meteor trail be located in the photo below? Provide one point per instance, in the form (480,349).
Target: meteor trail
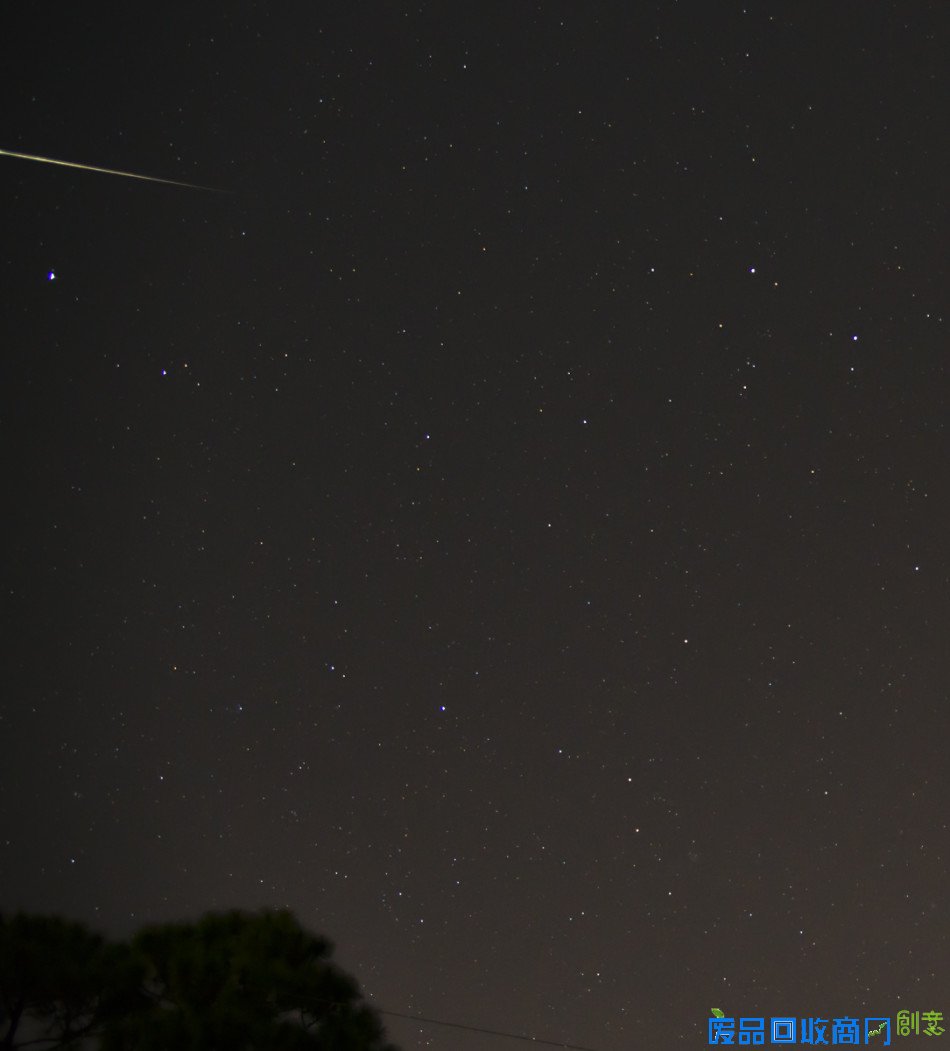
(107,171)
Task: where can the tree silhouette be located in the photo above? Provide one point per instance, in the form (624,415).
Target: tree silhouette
(57,981)
(232,981)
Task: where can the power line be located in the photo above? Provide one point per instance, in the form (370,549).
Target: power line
(490,1032)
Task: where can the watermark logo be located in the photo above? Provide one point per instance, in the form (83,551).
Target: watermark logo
(726,1031)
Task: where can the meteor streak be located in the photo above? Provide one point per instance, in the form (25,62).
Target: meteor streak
(107,171)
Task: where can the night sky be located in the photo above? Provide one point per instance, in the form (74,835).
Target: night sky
(509,527)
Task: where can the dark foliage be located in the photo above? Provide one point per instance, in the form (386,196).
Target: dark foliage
(229,982)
